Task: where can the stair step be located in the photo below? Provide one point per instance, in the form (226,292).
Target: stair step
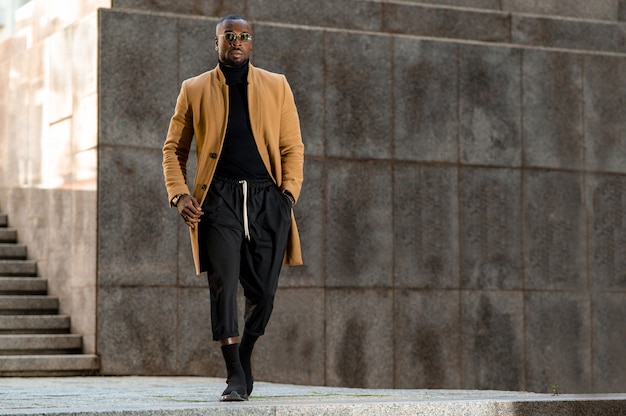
(28,305)
(49,365)
(29,344)
(8,235)
(34,324)
(18,268)
(12,251)
(4,220)
(23,285)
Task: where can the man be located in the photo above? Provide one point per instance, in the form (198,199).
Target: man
(250,159)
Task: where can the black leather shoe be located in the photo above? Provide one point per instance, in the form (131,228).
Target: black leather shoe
(233,396)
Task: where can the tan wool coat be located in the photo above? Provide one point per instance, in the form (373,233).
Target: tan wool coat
(202,111)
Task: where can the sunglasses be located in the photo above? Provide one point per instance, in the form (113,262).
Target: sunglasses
(232,37)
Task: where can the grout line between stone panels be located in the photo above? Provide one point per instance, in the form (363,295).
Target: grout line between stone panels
(587,226)
(523,223)
(458,214)
(394,329)
(324,178)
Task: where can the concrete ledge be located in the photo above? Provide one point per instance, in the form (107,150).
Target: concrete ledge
(199,396)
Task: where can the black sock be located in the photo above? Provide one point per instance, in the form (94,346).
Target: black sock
(245,357)
(236,378)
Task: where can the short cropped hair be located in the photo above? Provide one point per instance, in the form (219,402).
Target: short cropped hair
(230,17)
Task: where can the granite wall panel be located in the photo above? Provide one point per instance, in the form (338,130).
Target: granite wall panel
(292,349)
(593,10)
(490,228)
(426,229)
(492,338)
(358,105)
(425,94)
(604,92)
(586,35)
(556,321)
(137,242)
(359,351)
(475,4)
(347,14)
(360,233)
(552,107)
(554,231)
(453,23)
(195,351)
(278,49)
(137,330)
(139,72)
(609,338)
(606,204)
(490,106)
(429,327)
(196,49)
(190,7)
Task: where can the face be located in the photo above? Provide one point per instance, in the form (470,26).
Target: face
(233,53)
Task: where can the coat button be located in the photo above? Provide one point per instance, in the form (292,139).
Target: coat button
(203,186)
(213,155)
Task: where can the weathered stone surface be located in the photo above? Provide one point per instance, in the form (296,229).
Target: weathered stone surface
(554,322)
(552,107)
(425,101)
(137,330)
(136,109)
(357,341)
(426,227)
(492,338)
(429,326)
(490,228)
(489,106)
(360,232)
(605,89)
(554,231)
(358,105)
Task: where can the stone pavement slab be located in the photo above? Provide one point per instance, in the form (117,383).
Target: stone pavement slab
(182,396)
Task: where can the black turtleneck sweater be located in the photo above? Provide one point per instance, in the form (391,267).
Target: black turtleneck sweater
(240,158)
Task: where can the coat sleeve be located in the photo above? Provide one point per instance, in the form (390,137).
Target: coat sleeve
(291,146)
(177,145)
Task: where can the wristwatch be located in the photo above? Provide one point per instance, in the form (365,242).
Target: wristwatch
(175,200)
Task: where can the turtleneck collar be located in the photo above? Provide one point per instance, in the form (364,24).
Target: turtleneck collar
(235,76)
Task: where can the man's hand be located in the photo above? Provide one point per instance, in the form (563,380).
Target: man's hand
(190,210)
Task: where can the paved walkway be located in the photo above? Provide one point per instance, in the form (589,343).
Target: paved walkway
(182,396)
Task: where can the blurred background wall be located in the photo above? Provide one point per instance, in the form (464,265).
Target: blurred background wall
(461,216)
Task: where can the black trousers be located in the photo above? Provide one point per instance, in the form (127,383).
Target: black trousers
(243,234)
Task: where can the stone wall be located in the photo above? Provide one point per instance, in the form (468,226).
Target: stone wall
(461,212)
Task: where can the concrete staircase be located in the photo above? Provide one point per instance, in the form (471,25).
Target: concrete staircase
(34,339)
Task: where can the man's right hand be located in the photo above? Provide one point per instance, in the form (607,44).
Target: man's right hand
(189,210)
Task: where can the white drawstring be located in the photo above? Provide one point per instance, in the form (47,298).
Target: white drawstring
(246,230)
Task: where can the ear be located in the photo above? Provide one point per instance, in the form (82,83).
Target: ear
(216,45)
